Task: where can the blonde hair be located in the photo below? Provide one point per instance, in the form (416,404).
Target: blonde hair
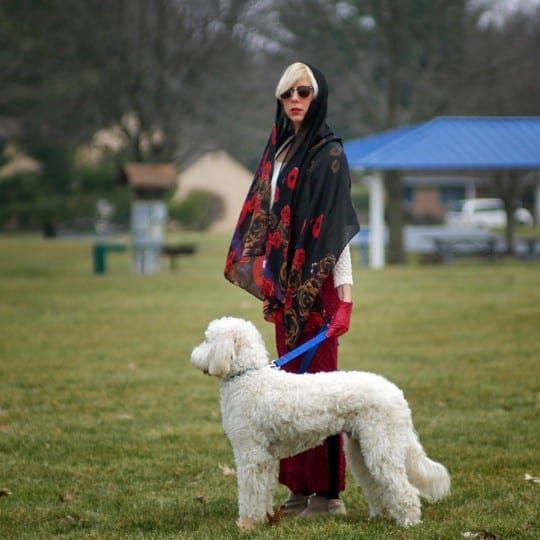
(292,74)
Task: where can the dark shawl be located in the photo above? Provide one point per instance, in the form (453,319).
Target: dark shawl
(282,253)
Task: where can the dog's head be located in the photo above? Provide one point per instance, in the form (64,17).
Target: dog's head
(230,346)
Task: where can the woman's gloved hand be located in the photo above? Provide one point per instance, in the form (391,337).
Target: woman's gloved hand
(339,324)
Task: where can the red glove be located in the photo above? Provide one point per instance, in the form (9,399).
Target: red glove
(341,320)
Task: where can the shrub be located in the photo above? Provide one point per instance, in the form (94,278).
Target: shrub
(198,210)
(33,201)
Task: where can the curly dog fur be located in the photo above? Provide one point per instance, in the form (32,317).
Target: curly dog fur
(269,414)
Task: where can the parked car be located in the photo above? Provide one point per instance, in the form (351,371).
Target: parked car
(484,213)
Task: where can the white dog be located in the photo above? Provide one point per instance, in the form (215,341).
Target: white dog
(269,414)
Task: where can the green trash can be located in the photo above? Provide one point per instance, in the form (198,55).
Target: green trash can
(100,255)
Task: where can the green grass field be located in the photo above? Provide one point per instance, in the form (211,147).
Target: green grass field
(106,431)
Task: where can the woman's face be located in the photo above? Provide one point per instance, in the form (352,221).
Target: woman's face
(296,106)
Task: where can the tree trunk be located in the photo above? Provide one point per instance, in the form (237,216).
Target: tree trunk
(392,179)
(508,187)
(394,191)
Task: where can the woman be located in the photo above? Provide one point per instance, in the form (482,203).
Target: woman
(291,249)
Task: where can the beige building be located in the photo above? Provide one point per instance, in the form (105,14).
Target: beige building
(219,173)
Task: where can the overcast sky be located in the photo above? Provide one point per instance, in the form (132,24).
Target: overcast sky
(499,9)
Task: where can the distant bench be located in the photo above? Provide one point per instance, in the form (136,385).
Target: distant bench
(447,246)
(441,243)
(176,250)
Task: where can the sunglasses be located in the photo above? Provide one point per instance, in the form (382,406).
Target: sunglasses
(302,91)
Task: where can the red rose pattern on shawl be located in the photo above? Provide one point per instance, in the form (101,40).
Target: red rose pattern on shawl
(299,258)
(316,229)
(292,177)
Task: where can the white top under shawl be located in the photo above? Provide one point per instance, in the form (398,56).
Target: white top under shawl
(342,271)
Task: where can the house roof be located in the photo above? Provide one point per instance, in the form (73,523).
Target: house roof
(452,143)
(20,164)
(151,175)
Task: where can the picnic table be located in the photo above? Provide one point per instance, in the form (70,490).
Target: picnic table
(479,242)
(441,243)
(445,243)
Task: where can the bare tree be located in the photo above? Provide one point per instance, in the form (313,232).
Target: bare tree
(169,75)
(168,81)
(497,70)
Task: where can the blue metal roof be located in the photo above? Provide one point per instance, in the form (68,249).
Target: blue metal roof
(452,143)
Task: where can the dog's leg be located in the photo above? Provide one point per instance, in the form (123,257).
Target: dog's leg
(255,470)
(271,482)
(384,453)
(402,499)
(371,489)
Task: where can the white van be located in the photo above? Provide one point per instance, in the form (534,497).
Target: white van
(484,213)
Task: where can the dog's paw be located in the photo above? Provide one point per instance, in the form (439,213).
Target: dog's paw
(245,524)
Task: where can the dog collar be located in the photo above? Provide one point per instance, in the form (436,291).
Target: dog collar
(240,373)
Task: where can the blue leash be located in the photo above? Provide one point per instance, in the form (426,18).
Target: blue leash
(310,346)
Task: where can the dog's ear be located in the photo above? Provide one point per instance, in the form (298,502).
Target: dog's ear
(222,355)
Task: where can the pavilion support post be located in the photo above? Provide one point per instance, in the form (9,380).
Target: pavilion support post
(376,221)
(470,189)
(537,204)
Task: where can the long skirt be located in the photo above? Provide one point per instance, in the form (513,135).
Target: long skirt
(320,469)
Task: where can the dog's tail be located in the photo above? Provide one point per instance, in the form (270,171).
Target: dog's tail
(429,477)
